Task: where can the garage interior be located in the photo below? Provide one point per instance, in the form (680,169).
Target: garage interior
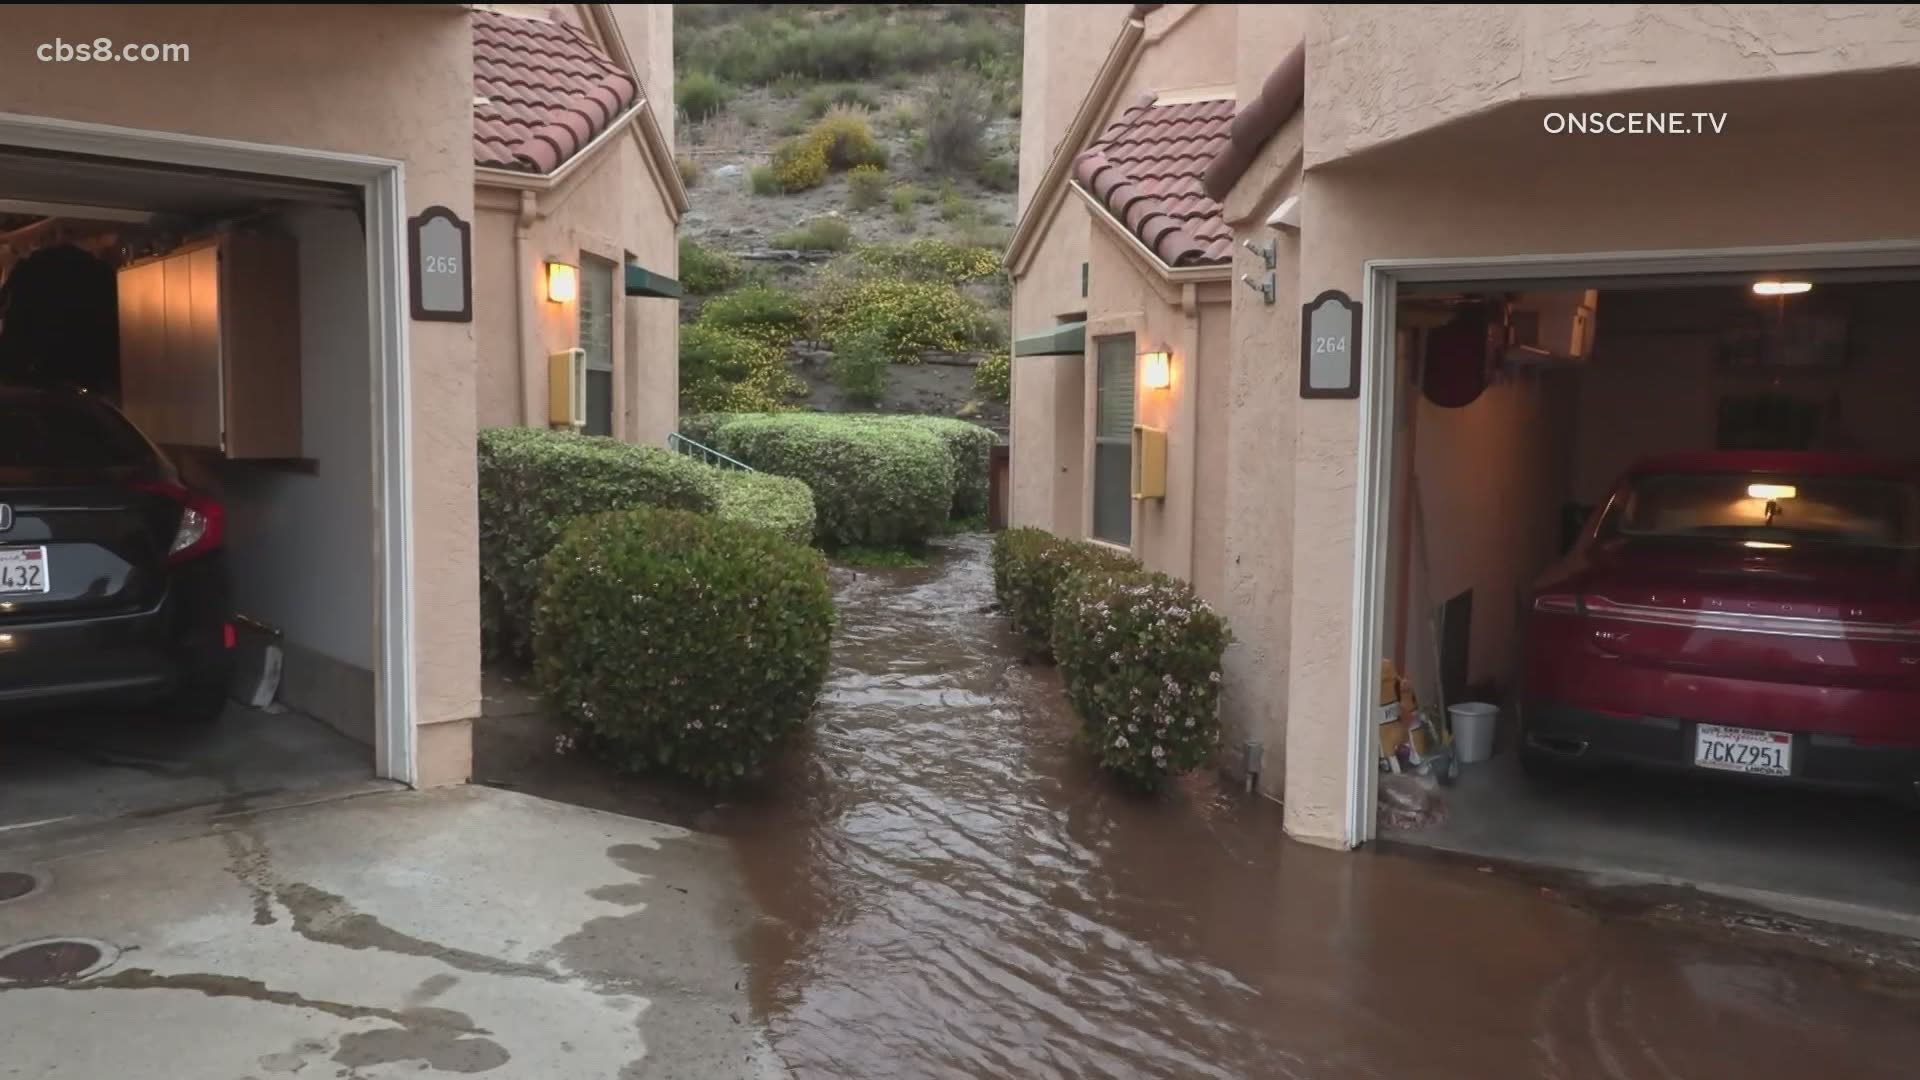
(227,316)
(1520,405)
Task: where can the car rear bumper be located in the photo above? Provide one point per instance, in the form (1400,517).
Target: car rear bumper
(112,659)
(1568,733)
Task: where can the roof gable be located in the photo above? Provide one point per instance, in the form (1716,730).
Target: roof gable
(1147,170)
(542,92)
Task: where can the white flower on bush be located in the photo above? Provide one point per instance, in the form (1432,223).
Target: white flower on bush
(1119,742)
(1159,753)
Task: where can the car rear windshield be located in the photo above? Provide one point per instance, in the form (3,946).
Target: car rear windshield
(1776,509)
(63,433)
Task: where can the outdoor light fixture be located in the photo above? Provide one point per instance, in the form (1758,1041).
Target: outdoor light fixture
(1781,288)
(1156,370)
(1767,545)
(1771,491)
(563,282)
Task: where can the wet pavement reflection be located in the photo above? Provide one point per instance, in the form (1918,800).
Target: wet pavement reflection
(947,888)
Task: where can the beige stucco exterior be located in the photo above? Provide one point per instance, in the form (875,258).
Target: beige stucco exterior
(1421,136)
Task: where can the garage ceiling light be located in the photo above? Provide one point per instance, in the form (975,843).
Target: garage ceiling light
(1781,288)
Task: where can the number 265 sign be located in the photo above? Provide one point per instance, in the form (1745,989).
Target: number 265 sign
(1330,347)
(440,265)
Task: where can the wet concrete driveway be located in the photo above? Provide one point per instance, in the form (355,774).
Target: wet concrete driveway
(947,889)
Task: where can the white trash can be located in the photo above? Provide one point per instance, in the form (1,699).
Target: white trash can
(1473,726)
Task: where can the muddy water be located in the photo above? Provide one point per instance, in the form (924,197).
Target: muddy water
(949,890)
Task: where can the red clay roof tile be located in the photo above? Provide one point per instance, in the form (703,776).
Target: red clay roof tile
(1146,169)
(548,91)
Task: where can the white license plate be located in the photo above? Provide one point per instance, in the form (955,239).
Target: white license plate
(23,570)
(1743,750)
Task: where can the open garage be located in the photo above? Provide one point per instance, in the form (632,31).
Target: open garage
(191,549)
(1649,555)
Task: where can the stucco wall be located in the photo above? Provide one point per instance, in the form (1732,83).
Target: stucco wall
(1369,87)
(608,207)
(1062,49)
(1045,442)
(647,30)
(1451,197)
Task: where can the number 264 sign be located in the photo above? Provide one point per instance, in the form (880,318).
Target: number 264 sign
(1330,347)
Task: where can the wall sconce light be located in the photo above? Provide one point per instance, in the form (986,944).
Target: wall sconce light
(563,282)
(1156,370)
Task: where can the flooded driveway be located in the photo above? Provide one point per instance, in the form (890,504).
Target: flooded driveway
(946,888)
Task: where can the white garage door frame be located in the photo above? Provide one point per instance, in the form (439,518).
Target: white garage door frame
(381,185)
(1379,388)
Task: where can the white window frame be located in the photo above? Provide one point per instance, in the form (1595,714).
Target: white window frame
(1379,386)
(382,190)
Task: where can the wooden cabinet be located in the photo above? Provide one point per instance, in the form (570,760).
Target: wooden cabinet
(210,346)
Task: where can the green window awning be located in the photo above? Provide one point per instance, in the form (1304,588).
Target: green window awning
(644,282)
(1065,338)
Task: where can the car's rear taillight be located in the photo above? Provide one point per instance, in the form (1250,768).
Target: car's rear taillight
(203,522)
(1558,604)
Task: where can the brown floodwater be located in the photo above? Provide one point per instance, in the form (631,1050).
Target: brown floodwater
(947,888)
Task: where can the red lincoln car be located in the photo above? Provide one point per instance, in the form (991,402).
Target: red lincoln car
(1737,612)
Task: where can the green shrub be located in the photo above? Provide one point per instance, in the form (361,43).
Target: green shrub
(931,259)
(819,234)
(702,426)
(910,317)
(1029,568)
(690,170)
(968,445)
(704,271)
(999,174)
(761,312)
(859,367)
(786,44)
(531,484)
(761,180)
(700,94)
(957,209)
(873,484)
(724,370)
(866,187)
(954,115)
(1139,654)
(682,642)
(901,119)
(817,101)
(786,85)
(994,377)
(903,198)
(779,504)
(800,164)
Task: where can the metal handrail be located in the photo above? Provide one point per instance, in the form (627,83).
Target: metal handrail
(680,444)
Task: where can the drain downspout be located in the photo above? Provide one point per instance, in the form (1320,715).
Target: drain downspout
(1189,419)
(528,320)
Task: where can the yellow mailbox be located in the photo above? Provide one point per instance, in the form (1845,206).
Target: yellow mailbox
(1149,463)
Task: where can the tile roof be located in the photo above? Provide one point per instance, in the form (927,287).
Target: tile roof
(542,91)
(1146,170)
(1276,103)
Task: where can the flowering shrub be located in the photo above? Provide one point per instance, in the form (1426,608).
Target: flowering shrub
(846,139)
(931,259)
(774,316)
(682,642)
(994,376)
(1029,567)
(905,317)
(1140,656)
(723,369)
(800,164)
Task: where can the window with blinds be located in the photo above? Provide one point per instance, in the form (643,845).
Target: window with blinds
(1113,441)
(596,340)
